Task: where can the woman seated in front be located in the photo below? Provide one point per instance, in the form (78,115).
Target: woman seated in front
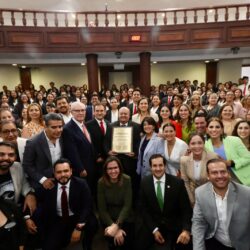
(193,165)
(114,197)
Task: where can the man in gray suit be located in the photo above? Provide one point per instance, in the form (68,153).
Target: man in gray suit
(221,216)
(42,151)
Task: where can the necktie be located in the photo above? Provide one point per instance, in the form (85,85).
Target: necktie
(64,203)
(135,110)
(86,133)
(102,127)
(169,99)
(159,195)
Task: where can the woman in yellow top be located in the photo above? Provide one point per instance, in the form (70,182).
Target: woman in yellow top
(35,123)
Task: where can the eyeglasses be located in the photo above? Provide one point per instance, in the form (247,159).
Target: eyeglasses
(78,110)
(12,131)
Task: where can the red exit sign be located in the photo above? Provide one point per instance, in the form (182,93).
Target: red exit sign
(135,38)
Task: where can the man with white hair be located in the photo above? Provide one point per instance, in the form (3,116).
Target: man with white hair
(78,147)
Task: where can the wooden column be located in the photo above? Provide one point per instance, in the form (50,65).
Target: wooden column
(25,78)
(211,72)
(145,73)
(92,69)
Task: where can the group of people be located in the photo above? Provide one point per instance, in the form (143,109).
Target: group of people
(181,186)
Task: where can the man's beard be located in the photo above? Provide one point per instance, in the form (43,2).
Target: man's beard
(5,166)
(64,183)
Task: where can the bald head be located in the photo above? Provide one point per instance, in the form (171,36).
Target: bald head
(124,114)
(78,111)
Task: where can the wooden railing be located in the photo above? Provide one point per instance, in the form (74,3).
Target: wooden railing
(34,18)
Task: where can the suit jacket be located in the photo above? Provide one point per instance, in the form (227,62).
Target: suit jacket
(97,137)
(37,162)
(78,149)
(143,167)
(131,109)
(21,185)
(80,201)
(108,115)
(187,172)
(176,214)
(205,216)
(89,113)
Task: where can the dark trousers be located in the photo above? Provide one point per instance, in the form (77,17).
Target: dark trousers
(213,244)
(57,234)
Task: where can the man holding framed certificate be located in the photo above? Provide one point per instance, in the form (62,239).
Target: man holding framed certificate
(123,141)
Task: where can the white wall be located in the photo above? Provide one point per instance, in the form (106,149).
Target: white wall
(9,76)
(74,75)
(163,72)
(229,70)
(120,78)
(160,73)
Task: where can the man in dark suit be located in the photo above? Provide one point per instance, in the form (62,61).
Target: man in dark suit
(77,146)
(97,128)
(168,99)
(165,208)
(90,108)
(42,151)
(129,160)
(66,210)
(136,96)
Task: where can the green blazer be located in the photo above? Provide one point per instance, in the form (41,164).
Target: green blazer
(236,151)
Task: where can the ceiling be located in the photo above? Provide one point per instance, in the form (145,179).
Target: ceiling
(113,5)
(118,5)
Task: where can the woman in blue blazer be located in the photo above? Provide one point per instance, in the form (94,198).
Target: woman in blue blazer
(148,146)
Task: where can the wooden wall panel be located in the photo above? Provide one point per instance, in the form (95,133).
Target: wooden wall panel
(239,33)
(63,39)
(153,38)
(176,37)
(25,38)
(206,35)
(1,39)
(105,38)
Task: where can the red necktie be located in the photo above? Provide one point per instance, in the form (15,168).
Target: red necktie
(135,110)
(169,99)
(64,203)
(102,127)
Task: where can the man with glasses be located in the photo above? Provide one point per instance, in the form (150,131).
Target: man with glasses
(42,151)
(77,145)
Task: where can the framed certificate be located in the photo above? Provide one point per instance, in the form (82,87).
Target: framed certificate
(122,140)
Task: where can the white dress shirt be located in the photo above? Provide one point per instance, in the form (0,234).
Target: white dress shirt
(221,233)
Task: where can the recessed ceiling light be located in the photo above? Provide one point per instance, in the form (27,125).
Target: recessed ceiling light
(23,67)
(14,64)
(211,11)
(154,62)
(217,59)
(207,61)
(83,64)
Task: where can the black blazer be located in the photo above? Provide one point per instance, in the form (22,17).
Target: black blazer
(177,212)
(97,137)
(78,149)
